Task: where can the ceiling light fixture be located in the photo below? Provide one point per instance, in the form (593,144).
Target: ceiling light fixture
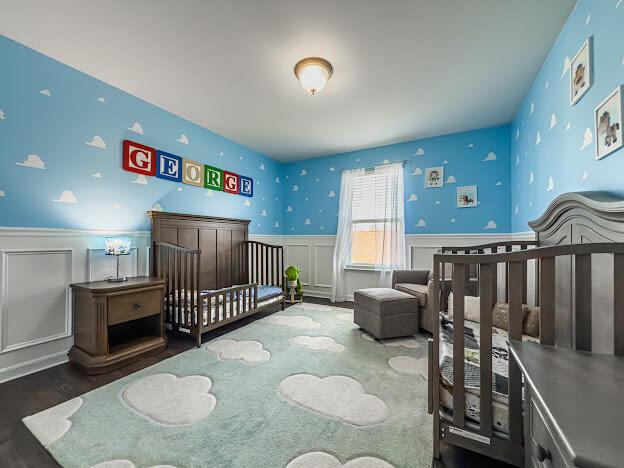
(313,73)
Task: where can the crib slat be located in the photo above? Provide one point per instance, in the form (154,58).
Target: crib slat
(494,279)
(459,400)
(524,278)
(178,292)
(434,360)
(547,300)
(618,304)
(515,333)
(507,249)
(486,272)
(583,302)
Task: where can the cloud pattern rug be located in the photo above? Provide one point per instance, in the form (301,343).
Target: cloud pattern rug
(302,388)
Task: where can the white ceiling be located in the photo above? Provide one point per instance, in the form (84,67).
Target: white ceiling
(403,69)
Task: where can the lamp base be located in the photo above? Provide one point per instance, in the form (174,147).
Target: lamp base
(119,279)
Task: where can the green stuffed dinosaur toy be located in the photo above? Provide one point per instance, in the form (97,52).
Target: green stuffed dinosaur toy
(292,274)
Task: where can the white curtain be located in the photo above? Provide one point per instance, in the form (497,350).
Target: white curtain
(371,206)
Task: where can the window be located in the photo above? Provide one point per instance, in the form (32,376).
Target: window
(375,218)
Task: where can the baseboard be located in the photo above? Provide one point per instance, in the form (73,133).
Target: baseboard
(29,367)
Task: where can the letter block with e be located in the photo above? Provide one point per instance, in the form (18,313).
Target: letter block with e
(169,166)
(213,178)
(139,158)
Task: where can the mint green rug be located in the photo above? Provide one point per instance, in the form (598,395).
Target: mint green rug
(300,388)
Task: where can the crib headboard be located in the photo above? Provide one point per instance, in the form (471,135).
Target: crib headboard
(221,241)
(580,218)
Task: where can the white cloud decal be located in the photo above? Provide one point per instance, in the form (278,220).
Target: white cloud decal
(45,92)
(170,400)
(209,193)
(437,202)
(295,188)
(183,139)
(303,173)
(566,66)
(499,183)
(101,99)
(490,225)
(547,85)
(618,5)
(136,128)
(452,220)
(325,460)
(50,425)
(538,139)
(157,207)
(451,179)
(588,138)
(97,175)
(140,180)
(262,168)
(490,157)
(1,114)
(66,197)
(34,161)
(2,193)
(568,126)
(263,213)
(307,222)
(97,141)
(517,159)
(409,365)
(247,202)
(517,133)
(531,178)
(551,184)
(289,209)
(445,162)
(416,171)
(232,350)
(331,194)
(471,145)
(277,179)
(293,321)
(318,343)
(588,19)
(421,223)
(337,397)
(331,169)
(585,176)
(276,225)
(553,121)
(420,152)
(412,197)
(532,108)
(179,189)
(516,210)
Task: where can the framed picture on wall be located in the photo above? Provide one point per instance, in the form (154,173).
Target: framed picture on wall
(467,196)
(434,177)
(608,123)
(581,72)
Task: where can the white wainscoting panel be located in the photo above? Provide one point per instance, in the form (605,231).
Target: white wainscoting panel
(36,268)
(323,265)
(101,266)
(36,307)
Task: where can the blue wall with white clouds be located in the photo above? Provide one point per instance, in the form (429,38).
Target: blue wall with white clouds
(481,157)
(49,115)
(552,155)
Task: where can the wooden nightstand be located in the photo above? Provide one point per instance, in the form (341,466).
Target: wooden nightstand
(117,323)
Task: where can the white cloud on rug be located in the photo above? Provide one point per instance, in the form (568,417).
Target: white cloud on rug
(325,460)
(294,321)
(409,365)
(33,161)
(337,397)
(409,342)
(311,306)
(232,350)
(170,400)
(124,464)
(345,317)
(318,343)
(50,425)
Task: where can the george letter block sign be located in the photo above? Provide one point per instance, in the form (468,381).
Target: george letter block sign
(139,158)
(231,182)
(192,173)
(169,166)
(214,178)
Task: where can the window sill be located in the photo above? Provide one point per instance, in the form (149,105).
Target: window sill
(361,268)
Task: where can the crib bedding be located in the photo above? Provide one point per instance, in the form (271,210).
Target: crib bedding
(500,368)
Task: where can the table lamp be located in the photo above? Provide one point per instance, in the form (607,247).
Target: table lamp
(117,246)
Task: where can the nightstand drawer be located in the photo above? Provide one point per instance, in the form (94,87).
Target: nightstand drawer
(543,450)
(131,306)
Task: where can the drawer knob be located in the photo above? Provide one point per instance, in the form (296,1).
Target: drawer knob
(137,305)
(542,454)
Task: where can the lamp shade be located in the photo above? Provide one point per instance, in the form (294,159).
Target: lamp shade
(117,245)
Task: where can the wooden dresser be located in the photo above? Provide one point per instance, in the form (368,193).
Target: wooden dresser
(117,323)
(573,406)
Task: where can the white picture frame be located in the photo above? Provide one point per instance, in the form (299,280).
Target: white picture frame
(467,196)
(582,71)
(608,123)
(434,177)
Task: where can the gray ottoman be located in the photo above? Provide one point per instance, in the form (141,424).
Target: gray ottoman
(386,313)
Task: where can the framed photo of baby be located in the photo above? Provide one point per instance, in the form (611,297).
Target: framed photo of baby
(467,196)
(608,117)
(581,72)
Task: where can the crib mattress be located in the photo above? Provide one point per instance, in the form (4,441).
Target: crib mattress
(500,371)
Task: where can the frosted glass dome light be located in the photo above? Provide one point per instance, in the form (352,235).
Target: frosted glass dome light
(313,73)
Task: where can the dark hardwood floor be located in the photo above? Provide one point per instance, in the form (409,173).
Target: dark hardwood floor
(36,392)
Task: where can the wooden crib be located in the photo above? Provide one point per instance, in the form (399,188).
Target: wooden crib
(572,275)
(215,275)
